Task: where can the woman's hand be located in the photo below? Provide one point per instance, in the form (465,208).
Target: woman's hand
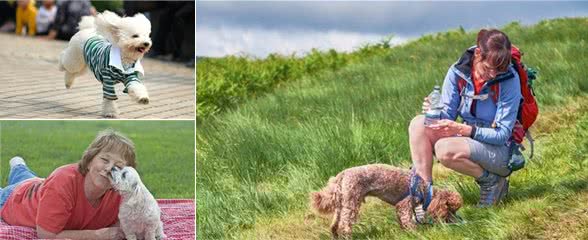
(110,233)
(103,233)
(448,128)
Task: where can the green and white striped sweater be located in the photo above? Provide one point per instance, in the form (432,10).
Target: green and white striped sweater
(105,61)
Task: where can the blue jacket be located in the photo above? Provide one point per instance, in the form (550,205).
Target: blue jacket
(503,112)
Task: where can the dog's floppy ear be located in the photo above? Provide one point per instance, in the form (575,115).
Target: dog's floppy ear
(454,201)
(438,206)
(143,20)
(107,23)
(141,17)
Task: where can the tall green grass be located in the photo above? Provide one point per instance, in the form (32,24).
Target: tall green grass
(226,82)
(257,164)
(164,149)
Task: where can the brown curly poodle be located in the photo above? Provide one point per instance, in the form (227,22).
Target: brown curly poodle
(344,194)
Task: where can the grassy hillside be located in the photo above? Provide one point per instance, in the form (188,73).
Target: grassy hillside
(227,82)
(257,164)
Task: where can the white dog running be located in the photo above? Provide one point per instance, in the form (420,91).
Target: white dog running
(111,47)
(139,213)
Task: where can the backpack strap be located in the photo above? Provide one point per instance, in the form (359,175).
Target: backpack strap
(496,92)
(461,84)
(531,142)
(494,89)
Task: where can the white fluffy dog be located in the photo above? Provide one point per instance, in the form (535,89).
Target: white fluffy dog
(111,47)
(139,213)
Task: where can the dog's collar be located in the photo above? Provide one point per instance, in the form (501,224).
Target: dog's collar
(115,61)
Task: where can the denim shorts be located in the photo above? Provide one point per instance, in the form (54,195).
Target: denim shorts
(18,174)
(493,158)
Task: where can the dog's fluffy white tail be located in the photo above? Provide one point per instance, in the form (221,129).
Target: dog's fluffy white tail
(86,22)
(324,201)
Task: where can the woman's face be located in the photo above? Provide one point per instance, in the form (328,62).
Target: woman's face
(99,168)
(483,67)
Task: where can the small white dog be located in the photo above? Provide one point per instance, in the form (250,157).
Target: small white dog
(139,213)
(111,47)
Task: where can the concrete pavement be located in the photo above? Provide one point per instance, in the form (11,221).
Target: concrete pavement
(32,87)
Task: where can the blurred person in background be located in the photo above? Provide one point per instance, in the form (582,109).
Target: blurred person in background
(25,17)
(69,14)
(173,28)
(7,16)
(115,6)
(46,17)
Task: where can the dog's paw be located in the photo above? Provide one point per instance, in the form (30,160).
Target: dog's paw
(138,92)
(110,115)
(69,79)
(109,108)
(144,100)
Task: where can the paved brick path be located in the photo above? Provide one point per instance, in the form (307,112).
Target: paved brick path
(32,87)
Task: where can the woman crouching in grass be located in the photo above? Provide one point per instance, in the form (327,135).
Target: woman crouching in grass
(76,201)
(481,146)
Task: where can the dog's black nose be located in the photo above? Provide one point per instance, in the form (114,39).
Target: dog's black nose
(146,44)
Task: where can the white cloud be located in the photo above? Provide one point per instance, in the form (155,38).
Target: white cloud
(259,42)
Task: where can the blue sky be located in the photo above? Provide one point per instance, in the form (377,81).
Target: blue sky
(263,27)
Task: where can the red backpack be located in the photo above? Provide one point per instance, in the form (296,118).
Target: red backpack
(528,109)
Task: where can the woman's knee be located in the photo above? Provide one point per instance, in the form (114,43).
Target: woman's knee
(417,124)
(441,152)
(447,151)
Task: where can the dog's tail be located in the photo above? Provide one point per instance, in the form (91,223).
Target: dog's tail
(86,22)
(324,201)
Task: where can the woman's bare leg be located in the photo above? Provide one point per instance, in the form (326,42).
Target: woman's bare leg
(421,147)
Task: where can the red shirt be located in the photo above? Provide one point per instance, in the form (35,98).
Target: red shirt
(478,83)
(58,203)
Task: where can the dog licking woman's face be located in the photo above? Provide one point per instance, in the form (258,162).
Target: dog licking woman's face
(100,167)
(125,180)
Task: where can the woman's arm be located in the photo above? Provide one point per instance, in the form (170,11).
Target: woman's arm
(450,128)
(450,96)
(506,114)
(103,233)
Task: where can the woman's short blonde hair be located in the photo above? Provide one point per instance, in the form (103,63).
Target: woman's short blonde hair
(112,141)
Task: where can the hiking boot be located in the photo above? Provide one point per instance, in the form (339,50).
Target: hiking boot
(493,189)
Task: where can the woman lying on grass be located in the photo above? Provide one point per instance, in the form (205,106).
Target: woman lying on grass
(479,147)
(77,200)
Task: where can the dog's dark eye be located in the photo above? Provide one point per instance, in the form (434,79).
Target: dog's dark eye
(135,36)
(124,174)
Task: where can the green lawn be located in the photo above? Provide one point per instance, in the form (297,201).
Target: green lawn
(258,162)
(165,149)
